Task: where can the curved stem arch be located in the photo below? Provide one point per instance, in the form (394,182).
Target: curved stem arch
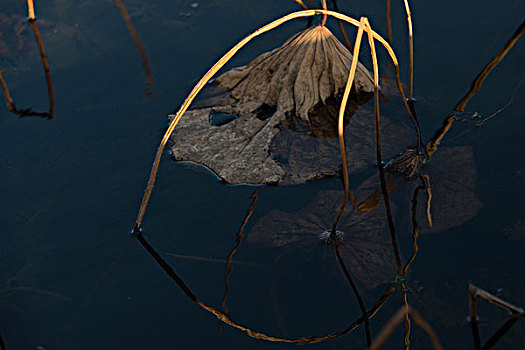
(217,66)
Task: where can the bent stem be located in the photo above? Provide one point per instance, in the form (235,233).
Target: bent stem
(215,68)
(221,316)
(45,63)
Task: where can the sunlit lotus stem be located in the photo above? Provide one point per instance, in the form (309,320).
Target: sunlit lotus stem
(411,52)
(340,125)
(214,69)
(301,3)
(31,10)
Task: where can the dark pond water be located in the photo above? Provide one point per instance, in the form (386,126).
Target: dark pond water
(71,277)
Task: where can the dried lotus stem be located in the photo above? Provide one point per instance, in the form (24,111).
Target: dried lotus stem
(30,10)
(301,3)
(7,95)
(224,318)
(45,63)
(323,4)
(475,86)
(142,51)
(341,26)
(411,52)
(384,188)
(340,125)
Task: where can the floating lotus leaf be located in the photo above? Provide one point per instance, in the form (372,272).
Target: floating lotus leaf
(366,247)
(277,120)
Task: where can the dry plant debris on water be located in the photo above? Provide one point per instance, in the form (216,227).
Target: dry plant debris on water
(206,78)
(281,86)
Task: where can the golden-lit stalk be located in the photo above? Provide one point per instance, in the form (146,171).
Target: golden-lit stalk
(30,10)
(213,70)
(301,3)
(410,51)
(340,124)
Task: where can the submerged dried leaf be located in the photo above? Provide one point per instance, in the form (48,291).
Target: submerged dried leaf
(306,70)
(279,150)
(365,245)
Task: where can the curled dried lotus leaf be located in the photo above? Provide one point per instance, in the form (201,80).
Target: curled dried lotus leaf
(306,70)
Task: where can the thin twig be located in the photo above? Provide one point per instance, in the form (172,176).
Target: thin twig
(511,309)
(240,236)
